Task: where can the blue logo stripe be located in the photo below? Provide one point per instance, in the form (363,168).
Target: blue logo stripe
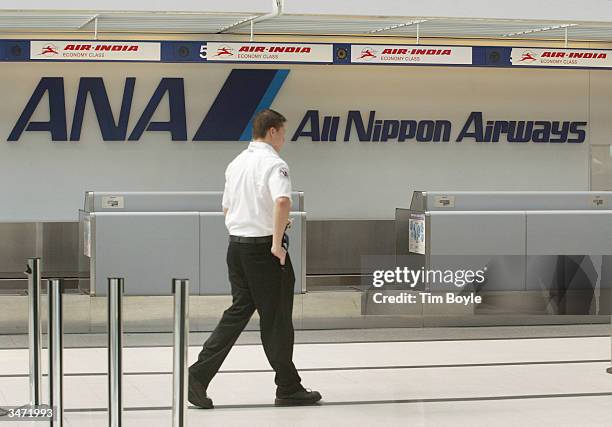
(235,105)
(266,101)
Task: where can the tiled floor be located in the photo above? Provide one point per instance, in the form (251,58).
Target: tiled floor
(490,382)
(550,412)
(305,336)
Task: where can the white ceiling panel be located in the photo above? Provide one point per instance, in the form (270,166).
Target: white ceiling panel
(287,24)
(557,10)
(176,23)
(145,6)
(42,21)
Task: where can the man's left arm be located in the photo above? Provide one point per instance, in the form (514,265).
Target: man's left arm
(225,202)
(279,184)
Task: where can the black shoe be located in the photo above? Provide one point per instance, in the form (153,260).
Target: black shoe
(197,394)
(302,397)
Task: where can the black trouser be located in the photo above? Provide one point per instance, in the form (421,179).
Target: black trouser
(259,283)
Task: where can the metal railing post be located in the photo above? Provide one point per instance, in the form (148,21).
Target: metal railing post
(34,331)
(115,345)
(180,289)
(609,370)
(55,348)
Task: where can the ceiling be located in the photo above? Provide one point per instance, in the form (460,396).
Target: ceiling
(287,24)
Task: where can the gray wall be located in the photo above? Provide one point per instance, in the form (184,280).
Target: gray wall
(341,180)
(333,248)
(352,187)
(337,247)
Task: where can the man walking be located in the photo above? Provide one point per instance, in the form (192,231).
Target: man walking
(256,204)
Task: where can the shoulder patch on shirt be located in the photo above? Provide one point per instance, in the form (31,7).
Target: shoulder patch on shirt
(284,172)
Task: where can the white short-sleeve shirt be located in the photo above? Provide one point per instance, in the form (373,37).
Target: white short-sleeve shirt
(253,182)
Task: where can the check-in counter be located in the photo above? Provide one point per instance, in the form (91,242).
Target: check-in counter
(542,252)
(430,201)
(149,238)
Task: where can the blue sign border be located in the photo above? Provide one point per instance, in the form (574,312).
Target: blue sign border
(189,51)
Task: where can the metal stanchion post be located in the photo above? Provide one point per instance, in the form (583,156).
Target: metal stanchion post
(609,370)
(34,332)
(115,345)
(55,347)
(180,289)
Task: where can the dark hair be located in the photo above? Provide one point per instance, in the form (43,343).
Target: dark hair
(265,120)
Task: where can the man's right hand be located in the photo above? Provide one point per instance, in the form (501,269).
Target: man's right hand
(280,253)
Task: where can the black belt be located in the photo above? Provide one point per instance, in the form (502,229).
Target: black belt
(242,239)
(263,239)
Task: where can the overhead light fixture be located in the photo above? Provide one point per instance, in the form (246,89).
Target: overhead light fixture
(539,30)
(396,26)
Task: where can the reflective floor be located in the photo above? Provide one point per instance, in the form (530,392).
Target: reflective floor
(472,381)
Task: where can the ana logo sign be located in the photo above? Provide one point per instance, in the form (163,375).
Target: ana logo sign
(244,93)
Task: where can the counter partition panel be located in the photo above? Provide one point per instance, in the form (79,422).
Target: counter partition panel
(542,252)
(148,238)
